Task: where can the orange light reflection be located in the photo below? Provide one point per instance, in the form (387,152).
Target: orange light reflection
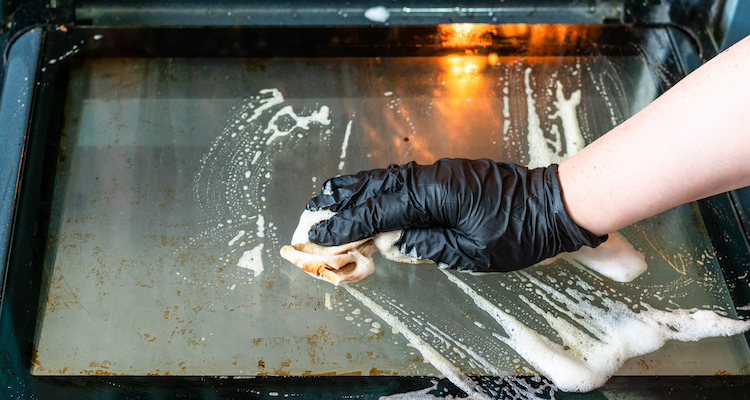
(464,100)
(462,35)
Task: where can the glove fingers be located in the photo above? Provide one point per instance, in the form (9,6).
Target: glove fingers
(384,213)
(346,191)
(446,246)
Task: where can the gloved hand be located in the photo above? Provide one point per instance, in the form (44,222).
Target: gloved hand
(469,214)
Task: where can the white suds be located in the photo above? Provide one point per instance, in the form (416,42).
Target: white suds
(611,334)
(450,371)
(256,157)
(539,155)
(345,144)
(276,98)
(566,110)
(422,394)
(328,301)
(252,260)
(306,220)
(377,14)
(320,116)
(506,114)
(261,226)
(327,190)
(236,238)
(616,259)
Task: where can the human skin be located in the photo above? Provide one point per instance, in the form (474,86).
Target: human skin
(690,143)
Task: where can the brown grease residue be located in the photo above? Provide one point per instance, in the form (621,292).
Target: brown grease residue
(35,360)
(378,372)
(100,369)
(281,371)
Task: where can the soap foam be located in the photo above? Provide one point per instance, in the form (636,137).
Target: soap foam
(302,122)
(450,371)
(253,260)
(345,144)
(377,14)
(616,259)
(611,334)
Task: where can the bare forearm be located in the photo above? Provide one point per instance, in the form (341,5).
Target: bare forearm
(690,143)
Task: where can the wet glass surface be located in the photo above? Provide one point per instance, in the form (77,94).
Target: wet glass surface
(180,179)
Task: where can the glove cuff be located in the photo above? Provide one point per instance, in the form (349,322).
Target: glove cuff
(572,237)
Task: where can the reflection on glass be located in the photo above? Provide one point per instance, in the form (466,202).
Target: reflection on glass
(180,179)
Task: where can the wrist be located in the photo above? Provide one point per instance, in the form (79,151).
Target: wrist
(576,201)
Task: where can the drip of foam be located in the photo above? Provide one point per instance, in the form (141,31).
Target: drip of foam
(539,155)
(612,333)
(345,144)
(488,367)
(506,111)
(261,223)
(566,110)
(422,394)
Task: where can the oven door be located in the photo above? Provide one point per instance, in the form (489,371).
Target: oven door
(164,168)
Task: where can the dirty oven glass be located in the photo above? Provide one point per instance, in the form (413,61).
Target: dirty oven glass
(179,180)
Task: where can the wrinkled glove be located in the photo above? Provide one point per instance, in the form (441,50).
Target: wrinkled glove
(469,214)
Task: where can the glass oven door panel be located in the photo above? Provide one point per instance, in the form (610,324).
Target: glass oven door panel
(179,180)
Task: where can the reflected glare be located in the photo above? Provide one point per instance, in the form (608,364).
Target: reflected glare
(465,90)
(462,35)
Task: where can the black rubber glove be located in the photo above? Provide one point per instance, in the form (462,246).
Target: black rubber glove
(468,214)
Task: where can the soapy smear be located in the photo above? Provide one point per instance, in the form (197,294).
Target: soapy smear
(236,238)
(328,303)
(584,362)
(266,103)
(544,151)
(345,144)
(261,226)
(539,154)
(456,376)
(253,260)
(616,259)
(230,188)
(302,122)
